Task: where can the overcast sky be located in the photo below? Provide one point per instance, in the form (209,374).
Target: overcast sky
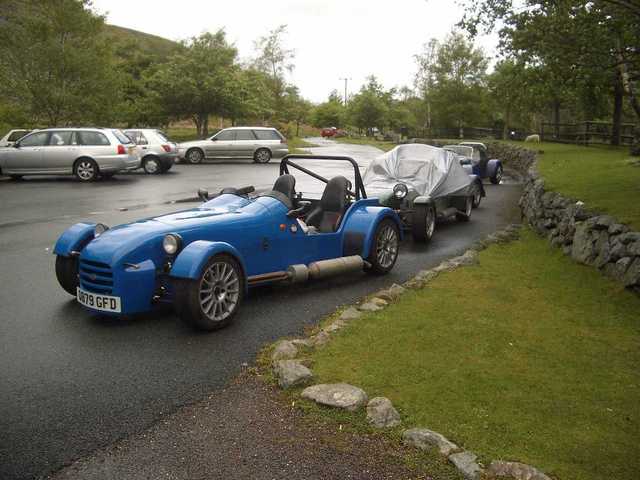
(332,39)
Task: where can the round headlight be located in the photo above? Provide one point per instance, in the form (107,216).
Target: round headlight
(99,229)
(171,244)
(400,191)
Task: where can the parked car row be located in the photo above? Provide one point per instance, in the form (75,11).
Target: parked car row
(203,261)
(89,153)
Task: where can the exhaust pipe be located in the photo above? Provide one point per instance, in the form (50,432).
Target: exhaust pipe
(335,266)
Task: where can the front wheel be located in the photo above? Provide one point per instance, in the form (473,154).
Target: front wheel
(477,197)
(67,274)
(423,223)
(465,216)
(262,155)
(212,300)
(497,178)
(384,248)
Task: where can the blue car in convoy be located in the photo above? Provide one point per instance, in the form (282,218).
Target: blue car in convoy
(474,158)
(203,260)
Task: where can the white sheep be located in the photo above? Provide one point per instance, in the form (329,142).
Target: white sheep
(533,139)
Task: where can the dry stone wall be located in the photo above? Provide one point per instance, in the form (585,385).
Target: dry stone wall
(587,236)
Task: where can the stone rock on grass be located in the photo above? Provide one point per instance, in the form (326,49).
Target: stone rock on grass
(320,339)
(335,326)
(425,439)
(632,275)
(634,248)
(338,395)
(629,237)
(350,313)
(426,275)
(391,294)
(445,266)
(301,342)
(515,471)
(470,257)
(618,228)
(466,464)
(381,413)
(291,373)
(370,307)
(284,349)
(582,249)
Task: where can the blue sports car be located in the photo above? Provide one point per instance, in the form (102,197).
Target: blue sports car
(204,260)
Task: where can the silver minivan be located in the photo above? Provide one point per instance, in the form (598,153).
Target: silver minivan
(258,143)
(86,153)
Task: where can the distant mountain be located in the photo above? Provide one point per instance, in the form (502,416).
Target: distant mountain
(147,43)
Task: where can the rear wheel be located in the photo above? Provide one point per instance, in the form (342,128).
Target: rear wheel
(86,170)
(67,274)
(384,248)
(465,216)
(497,178)
(212,300)
(423,223)
(194,156)
(262,155)
(477,197)
(151,165)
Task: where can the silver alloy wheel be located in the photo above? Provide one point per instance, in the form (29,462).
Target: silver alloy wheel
(499,175)
(430,222)
(151,166)
(219,291)
(263,156)
(387,246)
(468,206)
(85,170)
(194,156)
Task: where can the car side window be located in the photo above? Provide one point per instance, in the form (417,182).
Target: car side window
(60,138)
(245,135)
(225,135)
(15,136)
(92,138)
(35,140)
(137,137)
(266,135)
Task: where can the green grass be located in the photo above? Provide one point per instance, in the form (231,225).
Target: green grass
(599,176)
(528,357)
(298,145)
(386,146)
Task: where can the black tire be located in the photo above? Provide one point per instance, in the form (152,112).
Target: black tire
(151,165)
(67,274)
(15,177)
(188,300)
(423,223)
(262,155)
(465,215)
(86,170)
(497,178)
(166,168)
(477,197)
(194,156)
(380,264)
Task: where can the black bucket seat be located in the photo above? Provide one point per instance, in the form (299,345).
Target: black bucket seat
(327,214)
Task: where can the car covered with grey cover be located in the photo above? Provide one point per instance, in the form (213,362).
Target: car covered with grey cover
(423,184)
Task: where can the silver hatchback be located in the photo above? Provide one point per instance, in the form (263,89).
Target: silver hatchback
(258,143)
(86,153)
(157,153)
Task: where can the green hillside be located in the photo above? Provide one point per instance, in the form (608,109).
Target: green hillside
(147,43)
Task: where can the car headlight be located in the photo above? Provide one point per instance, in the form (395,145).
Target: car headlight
(400,191)
(99,229)
(171,243)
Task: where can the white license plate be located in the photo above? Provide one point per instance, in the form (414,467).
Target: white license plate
(104,303)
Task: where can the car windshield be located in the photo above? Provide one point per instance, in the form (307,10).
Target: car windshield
(463,150)
(15,136)
(163,136)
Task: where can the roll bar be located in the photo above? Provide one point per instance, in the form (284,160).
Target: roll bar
(286,163)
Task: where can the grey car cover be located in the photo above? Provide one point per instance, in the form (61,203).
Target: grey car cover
(429,170)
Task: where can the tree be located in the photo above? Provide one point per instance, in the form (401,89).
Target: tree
(368,109)
(54,63)
(603,47)
(452,78)
(198,81)
(275,60)
(330,113)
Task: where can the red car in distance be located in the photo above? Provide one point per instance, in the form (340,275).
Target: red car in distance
(332,132)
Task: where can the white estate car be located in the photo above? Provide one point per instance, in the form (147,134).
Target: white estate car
(259,143)
(86,153)
(12,137)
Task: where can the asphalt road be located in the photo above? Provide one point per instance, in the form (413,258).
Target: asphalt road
(72,382)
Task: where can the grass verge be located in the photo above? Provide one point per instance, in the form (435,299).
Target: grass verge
(529,357)
(385,146)
(602,177)
(298,145)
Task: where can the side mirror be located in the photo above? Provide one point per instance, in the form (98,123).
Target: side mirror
(214,139)
(203,194)
(15,145)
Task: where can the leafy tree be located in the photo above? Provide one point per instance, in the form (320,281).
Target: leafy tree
(368,108)
(330,113)
(197,82)
(54,63)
